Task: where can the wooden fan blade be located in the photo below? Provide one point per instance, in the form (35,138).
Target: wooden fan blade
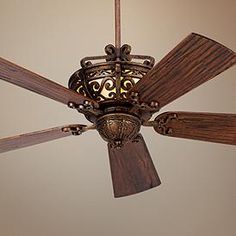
(211,127)
(30,139)
(26,79)
(132,168)
(194,61)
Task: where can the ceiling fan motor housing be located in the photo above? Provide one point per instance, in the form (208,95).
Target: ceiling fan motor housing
(107,80)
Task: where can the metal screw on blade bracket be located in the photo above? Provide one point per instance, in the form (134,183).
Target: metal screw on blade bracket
(175,116)
(135,97)
(143,105)
(169,131)
(117,144)
(75,130)
(72,105)
(66,129)
(154,105)
(86,106)
(81,107)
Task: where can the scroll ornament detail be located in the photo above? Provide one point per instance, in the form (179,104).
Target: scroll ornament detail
(113,77)
(162,124)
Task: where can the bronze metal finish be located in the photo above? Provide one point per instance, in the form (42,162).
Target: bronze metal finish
(162,123)
(117,24)
(77,129)
(111,79)
(153,106)
(107,81)
(118,128)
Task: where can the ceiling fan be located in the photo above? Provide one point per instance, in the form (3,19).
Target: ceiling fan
(119,92)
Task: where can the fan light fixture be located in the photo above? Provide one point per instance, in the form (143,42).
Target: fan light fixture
(119,92)
(108,81)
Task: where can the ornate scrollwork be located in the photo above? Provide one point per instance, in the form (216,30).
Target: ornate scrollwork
(118,128)
(162,123)
(103,89)
(125,53)
(126,84)
(111,52)
(112,79)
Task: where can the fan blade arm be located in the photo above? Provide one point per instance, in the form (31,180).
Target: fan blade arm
(26,79)
(132,169)
(43,136)
(210,127)
(191,63)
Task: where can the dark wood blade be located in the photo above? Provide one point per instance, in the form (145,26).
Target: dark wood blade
(30,139)
(194,61)
(26,79)
(211,127)
(132,168)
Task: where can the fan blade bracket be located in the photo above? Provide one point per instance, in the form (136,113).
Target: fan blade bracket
(162,123)
(209,127)
(73,129)
(77,129)
(153,106)
(87,107)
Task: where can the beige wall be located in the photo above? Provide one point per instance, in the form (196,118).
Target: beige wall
(64,187)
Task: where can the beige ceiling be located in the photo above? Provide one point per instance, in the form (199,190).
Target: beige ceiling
(64,187)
